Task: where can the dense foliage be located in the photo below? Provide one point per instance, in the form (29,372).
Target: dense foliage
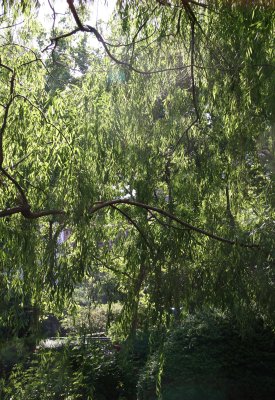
(207,358)
(153,154)
(92,371)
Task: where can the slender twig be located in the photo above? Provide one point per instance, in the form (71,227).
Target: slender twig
(190,13)
(174,147)
(192,70)
(107,266)
(11,26)
(14,165)
(45,118)
(166,225)
(228,208)
(31,51)
(139,30)
(170,5)
(31,184)
(64,35)
(54,14)
(132,42)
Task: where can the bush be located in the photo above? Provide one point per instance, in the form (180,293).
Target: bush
(207,358)
(82,371)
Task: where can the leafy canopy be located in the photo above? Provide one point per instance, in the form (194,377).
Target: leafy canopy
(157,158)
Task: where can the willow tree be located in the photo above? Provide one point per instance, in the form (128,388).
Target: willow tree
(159,160)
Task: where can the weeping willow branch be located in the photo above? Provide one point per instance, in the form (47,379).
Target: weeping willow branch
(100,39)
(130,219)
(27,213)
(63,36)
(7,108)
(165,224)
(20,96)
(160,211)
(111,268)
(192,70)
(24,200)
(10,211)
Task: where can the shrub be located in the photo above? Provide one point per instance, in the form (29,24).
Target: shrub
(76,371)
(207,358)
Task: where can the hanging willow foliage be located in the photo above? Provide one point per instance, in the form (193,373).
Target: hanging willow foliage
(158,160)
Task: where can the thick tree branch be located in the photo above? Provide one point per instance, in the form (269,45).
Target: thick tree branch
(25,208)
(99,37)
(75,15)
(196,3)
(43,213)
(27,213)
(10,211)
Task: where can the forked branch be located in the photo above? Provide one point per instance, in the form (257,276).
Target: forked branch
(89,29)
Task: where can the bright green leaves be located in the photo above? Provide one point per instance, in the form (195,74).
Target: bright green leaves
(116,134)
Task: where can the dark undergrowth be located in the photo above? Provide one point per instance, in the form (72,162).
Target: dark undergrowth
(205,357)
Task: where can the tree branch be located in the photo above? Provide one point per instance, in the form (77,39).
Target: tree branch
(18,187)
(99,37)
(160,211)
(64,35)
(11,26)
(166,225)
(107,266)
(7,108)
(20,96)
(192,70)
(196,3)
(178,142)
(127,216)
(26,212)
(10,211)
(75,15)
